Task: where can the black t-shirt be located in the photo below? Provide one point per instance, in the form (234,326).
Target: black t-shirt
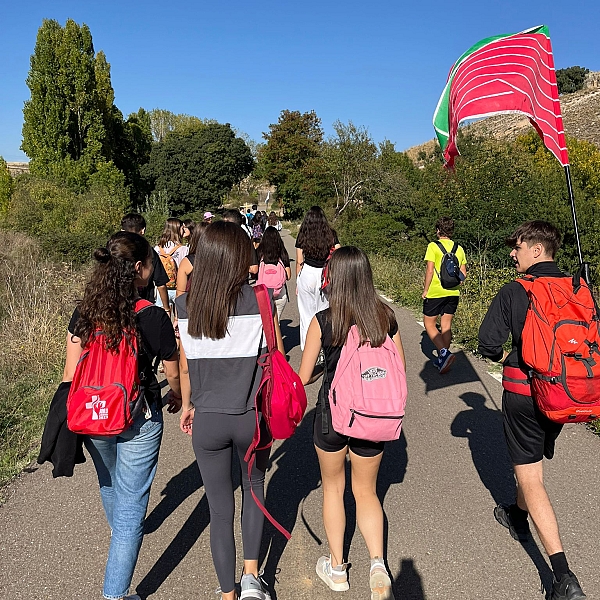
(159,277)
(158,339)
(315,261)
(332,353)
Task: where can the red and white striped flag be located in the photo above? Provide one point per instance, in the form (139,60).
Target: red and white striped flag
(498,75)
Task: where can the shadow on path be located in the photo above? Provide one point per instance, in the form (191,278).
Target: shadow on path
(462,370)
(482,427)
(290,334)
(408,584)
(175,492)
(297,475)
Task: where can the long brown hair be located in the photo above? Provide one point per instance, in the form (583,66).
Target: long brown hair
(353,299)
(171,232)
(223,258)
(109,297)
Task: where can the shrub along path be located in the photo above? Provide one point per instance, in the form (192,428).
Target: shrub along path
(439,483)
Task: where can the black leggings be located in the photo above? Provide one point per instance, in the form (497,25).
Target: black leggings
(214,436)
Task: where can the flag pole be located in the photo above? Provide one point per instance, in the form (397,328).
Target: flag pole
(585,267)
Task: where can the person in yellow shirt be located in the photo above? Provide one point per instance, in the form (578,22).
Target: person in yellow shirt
(440,300)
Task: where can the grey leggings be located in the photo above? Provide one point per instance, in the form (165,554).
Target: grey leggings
(214,437)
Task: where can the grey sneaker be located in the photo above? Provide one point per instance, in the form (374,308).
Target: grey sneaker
(253,588)
(381,584)
(132,597)
(335,579)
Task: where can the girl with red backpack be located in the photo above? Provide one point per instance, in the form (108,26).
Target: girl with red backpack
(221,339)
(125,462)
(353,301)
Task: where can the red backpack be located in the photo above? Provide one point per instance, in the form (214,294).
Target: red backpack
(106,394)
(368,392)
(280,397)
(561,345)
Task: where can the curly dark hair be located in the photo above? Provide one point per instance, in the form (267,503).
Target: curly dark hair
(109,297)
(316,237)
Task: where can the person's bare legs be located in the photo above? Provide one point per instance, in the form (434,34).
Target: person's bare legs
(532,497)
(446,327)
(430,324)
(333,477)
(369,514)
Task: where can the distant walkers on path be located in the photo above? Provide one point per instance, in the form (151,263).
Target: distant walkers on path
(314,244)
(186,266)
(221,338)
(446,270)
(530,434)
(126,463)
(354,309)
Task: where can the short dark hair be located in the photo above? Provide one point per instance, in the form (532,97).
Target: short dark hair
(133,222)
(254,206)
(233,216)
(445,225)
(537,232)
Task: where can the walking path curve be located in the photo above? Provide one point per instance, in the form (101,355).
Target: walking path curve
(440,483)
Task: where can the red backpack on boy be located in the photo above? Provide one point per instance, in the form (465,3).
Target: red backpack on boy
(106,394)
(561,345)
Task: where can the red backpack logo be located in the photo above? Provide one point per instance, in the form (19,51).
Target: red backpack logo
(272,276)
(106,394)
(368,393)
(561,345)
(280,397)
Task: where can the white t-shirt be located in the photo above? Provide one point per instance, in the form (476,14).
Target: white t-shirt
(178,255)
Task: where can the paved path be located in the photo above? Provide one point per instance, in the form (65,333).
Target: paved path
(439,482)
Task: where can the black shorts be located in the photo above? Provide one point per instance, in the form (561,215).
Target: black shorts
(334,442)
(432,307)
(529,434)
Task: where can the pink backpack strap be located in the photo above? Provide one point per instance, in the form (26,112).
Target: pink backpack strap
(264,306)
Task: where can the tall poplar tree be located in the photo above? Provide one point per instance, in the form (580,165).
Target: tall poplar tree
(64,118)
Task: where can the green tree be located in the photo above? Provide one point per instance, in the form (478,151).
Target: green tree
(198,167)
(571,79)
(6,185)
(63,118)
(287,160)
(351,162)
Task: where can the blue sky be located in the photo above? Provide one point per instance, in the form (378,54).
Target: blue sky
(381,64)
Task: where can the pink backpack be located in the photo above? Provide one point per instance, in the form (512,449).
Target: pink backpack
(273,276)
(368,393)
(280,397)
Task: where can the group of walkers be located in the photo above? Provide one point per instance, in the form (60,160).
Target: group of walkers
(213,374)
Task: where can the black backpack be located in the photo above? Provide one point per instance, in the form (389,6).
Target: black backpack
(450,274)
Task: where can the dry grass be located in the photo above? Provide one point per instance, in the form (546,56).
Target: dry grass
(36,300)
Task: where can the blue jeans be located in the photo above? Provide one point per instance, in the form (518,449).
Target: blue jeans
(126,465)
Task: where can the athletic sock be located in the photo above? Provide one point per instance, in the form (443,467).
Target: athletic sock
(559,563)
(517,512)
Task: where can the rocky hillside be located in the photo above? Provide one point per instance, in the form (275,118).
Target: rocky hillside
(581,118)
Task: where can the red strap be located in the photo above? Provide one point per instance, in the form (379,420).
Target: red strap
(141,305)
(264,306)
(516,381)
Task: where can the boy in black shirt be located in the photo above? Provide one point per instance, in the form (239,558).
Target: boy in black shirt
(530,436)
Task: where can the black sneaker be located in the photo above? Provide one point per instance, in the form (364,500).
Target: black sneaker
(517,525)
(567,588)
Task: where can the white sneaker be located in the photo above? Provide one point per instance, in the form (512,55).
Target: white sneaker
(381,584)
(335,579)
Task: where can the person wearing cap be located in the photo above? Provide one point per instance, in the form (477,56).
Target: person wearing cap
(208,217)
